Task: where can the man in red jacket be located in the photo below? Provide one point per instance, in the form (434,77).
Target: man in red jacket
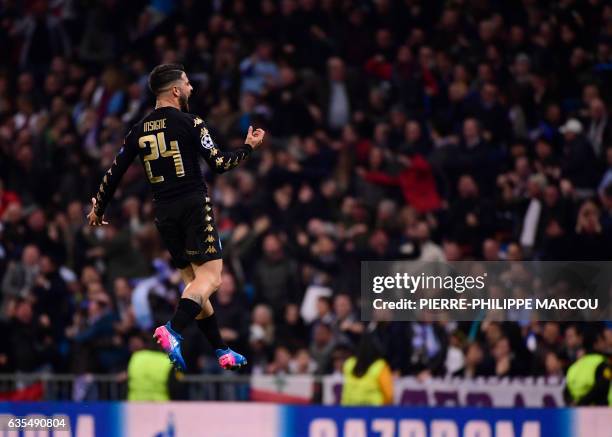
(416,181)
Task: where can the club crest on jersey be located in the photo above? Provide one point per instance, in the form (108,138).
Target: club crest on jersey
(197,121)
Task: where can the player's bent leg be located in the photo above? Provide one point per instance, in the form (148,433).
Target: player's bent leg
(207,280)
(169,336)
(207,311)
(187,274)
(207,323)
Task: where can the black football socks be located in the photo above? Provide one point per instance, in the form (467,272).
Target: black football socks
(211,331)
(186,311)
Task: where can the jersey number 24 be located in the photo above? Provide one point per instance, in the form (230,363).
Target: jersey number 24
(157,146)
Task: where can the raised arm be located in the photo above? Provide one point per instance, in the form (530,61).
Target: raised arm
(223,160)
(110,181)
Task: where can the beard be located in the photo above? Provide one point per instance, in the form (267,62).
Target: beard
(184,103)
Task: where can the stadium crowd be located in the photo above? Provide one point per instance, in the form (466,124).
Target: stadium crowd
(430,130)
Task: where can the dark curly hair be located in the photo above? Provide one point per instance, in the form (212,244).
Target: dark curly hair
(163,75)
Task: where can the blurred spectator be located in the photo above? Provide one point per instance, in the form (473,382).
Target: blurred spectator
(475,362)
(548,341)
(93,337)
(416,181)
(117,249)
(579,156)
(149,373)
(291,110)
(321,347)
(325,312)
(259,71)
(572,343)
(292,330)
(591,242)
(281,363)
(506,362)
(231,308)
(31,347)
(347,325)
(338,97)
(20,276)
(52,296)
(470,215)
(587,380)
(430,251)
(598,127)
(455,359)
(302,363)
(553,365)
(43,36)
(6,198)
(367,377)
(123,299)
(262,327)
(429,346)
(275,275)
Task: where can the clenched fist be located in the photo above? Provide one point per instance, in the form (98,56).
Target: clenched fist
(93,218)
(254,138)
